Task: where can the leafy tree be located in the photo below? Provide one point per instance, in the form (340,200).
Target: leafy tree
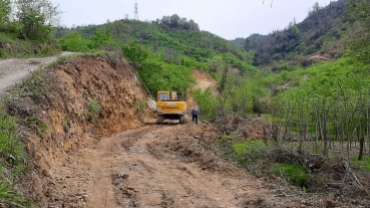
(74,42)
(135,52)
(359,10)
(296,30)
(100,38)
(37,17)
(5,10)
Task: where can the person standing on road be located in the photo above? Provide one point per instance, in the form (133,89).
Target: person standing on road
(195,113)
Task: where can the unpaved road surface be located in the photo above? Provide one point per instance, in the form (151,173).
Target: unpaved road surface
(13,70)
(156,166)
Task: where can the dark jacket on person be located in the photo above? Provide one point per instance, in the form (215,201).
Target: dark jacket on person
(195,112)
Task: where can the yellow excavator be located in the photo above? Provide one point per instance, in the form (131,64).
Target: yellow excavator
(170,107)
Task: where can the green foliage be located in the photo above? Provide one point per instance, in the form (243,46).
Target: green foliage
(9,143)
(313,33)
(94,109)
(207,102)
(34,25)
(360,11)
(5,10)
(74,42)
(13,47)
(157,76)
(36,85)
(177,22)
(310,50)
(296,30)
(190,48)
(135,52)
(12,156)
(100,38)
(364,164)
(245,149)
(9,198)
(36,124)
(36,18)
(239,94)
(294,174)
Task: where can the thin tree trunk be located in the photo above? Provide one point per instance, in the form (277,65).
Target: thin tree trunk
(361,154)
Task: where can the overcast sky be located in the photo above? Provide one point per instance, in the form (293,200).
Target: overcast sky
(226,18)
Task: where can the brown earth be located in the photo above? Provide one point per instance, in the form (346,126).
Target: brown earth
(203,82)
(120,158)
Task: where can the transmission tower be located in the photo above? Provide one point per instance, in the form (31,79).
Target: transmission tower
(136,16)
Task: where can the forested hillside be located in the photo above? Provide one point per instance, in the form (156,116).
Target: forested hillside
(176,39)
(322,32)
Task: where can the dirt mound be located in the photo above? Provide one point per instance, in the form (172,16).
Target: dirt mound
(73,104)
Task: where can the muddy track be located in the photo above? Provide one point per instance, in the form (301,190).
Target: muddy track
(155,166)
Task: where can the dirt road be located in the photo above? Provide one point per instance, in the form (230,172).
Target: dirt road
(156,166)
(13,70)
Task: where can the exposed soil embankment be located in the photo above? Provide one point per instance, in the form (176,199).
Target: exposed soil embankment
(73,104)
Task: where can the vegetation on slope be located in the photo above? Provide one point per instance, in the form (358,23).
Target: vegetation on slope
(25,28)
(164,51)
(323,31)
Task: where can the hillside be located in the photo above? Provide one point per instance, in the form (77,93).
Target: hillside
(173,42)
(322,32)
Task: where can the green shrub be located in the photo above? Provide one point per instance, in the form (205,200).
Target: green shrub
(246,149)
(207,103)
(74,42)
(94,109)
(294,174)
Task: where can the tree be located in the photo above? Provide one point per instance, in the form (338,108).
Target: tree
(175,20)
(296,30)
(74,42)
(37,17)
(359,10)
(135,52)
(5,10)
(100,38)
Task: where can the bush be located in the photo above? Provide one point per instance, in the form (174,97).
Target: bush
(207,103)
(294,174)
(94,109)
(74,42)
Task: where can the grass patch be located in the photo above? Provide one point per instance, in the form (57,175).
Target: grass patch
(364,164)
(294,174)
(242,149)
(12,157)
(94,109)
(15,48)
